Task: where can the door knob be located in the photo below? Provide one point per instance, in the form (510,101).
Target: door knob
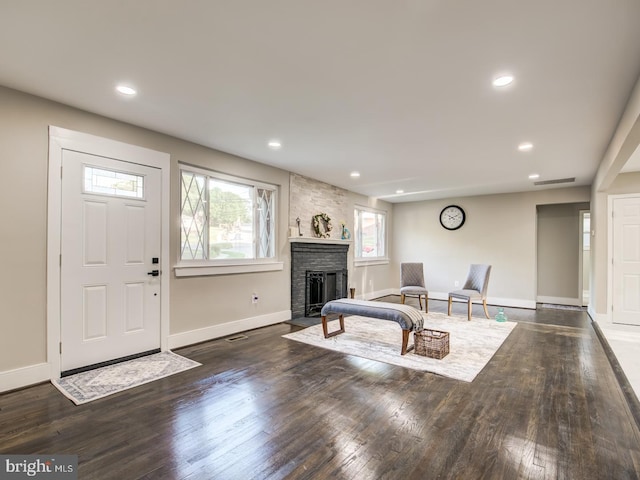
(154,273)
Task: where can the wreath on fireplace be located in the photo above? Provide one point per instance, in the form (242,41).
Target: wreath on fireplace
(322,220)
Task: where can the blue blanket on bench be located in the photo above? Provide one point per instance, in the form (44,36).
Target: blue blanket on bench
(408,317)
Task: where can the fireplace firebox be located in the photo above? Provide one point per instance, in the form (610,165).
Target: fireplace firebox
(322,287)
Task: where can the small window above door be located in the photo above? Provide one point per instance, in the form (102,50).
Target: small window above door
(102,181)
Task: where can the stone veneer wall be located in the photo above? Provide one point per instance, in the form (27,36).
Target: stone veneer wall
(308,197)
(312,256)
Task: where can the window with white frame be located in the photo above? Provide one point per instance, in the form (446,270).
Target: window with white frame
(225,219)
(370,233)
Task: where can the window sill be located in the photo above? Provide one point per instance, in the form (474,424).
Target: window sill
(206,270)
(368,263)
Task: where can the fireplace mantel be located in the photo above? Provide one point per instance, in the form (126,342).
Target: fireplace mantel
(330,241)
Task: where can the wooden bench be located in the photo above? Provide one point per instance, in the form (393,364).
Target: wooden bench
(409,318)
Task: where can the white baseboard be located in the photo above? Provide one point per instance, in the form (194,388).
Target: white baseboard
(378,294)
(602,319)
(183,339)
(497,301)
(501,302)
(25,376)
(596,317)
(512,302)
(575,302)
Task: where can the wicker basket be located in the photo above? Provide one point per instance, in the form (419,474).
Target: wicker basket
(431,343)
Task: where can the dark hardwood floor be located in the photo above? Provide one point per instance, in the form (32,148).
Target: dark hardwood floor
(547,406)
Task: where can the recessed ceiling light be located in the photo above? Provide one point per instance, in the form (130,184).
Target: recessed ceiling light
(274,144)
(126,90)
(399,191)
(355,174)
(525,146)
(502,80)
(533,176)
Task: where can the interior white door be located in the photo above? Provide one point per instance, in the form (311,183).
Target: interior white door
(111,232)
(626,260)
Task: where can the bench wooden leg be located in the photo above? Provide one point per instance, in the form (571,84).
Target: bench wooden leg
(405,334)
(325,329)
(405,341)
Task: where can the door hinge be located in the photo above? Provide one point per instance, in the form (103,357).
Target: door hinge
(60,260)
(61,172)
(60,348)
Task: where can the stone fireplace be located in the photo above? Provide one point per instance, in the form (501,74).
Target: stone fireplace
(318,275)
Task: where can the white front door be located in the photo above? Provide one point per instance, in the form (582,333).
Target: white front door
(110,236)
(626,260)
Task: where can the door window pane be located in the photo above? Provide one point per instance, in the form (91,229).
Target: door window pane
(110,182)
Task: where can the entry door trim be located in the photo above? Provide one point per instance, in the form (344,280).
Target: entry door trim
(581,260)
(610,202)
(61,139)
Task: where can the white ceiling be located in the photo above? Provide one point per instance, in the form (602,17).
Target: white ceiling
(399,90)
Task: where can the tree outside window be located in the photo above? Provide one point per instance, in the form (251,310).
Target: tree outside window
(224,218)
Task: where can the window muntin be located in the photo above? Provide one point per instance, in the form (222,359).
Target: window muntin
(370,234)
(225,219)
(193,232)
(104,181)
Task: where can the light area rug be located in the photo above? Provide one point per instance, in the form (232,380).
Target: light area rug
(471,343)
(101,382)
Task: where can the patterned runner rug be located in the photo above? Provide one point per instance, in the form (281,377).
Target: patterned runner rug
(471,343)
(101,382)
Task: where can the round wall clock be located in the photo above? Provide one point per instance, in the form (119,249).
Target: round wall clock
(452,217)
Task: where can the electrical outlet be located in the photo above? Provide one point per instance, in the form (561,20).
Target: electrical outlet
(254,298)
(456,283)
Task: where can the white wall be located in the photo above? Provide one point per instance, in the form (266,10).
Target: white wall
(200,307)
(499,230)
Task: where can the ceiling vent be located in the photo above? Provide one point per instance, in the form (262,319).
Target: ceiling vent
(557,180)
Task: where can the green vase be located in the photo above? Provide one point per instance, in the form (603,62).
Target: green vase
(501,317)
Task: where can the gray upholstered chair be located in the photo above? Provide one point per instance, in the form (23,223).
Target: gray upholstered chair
(412,283)
(474,289)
